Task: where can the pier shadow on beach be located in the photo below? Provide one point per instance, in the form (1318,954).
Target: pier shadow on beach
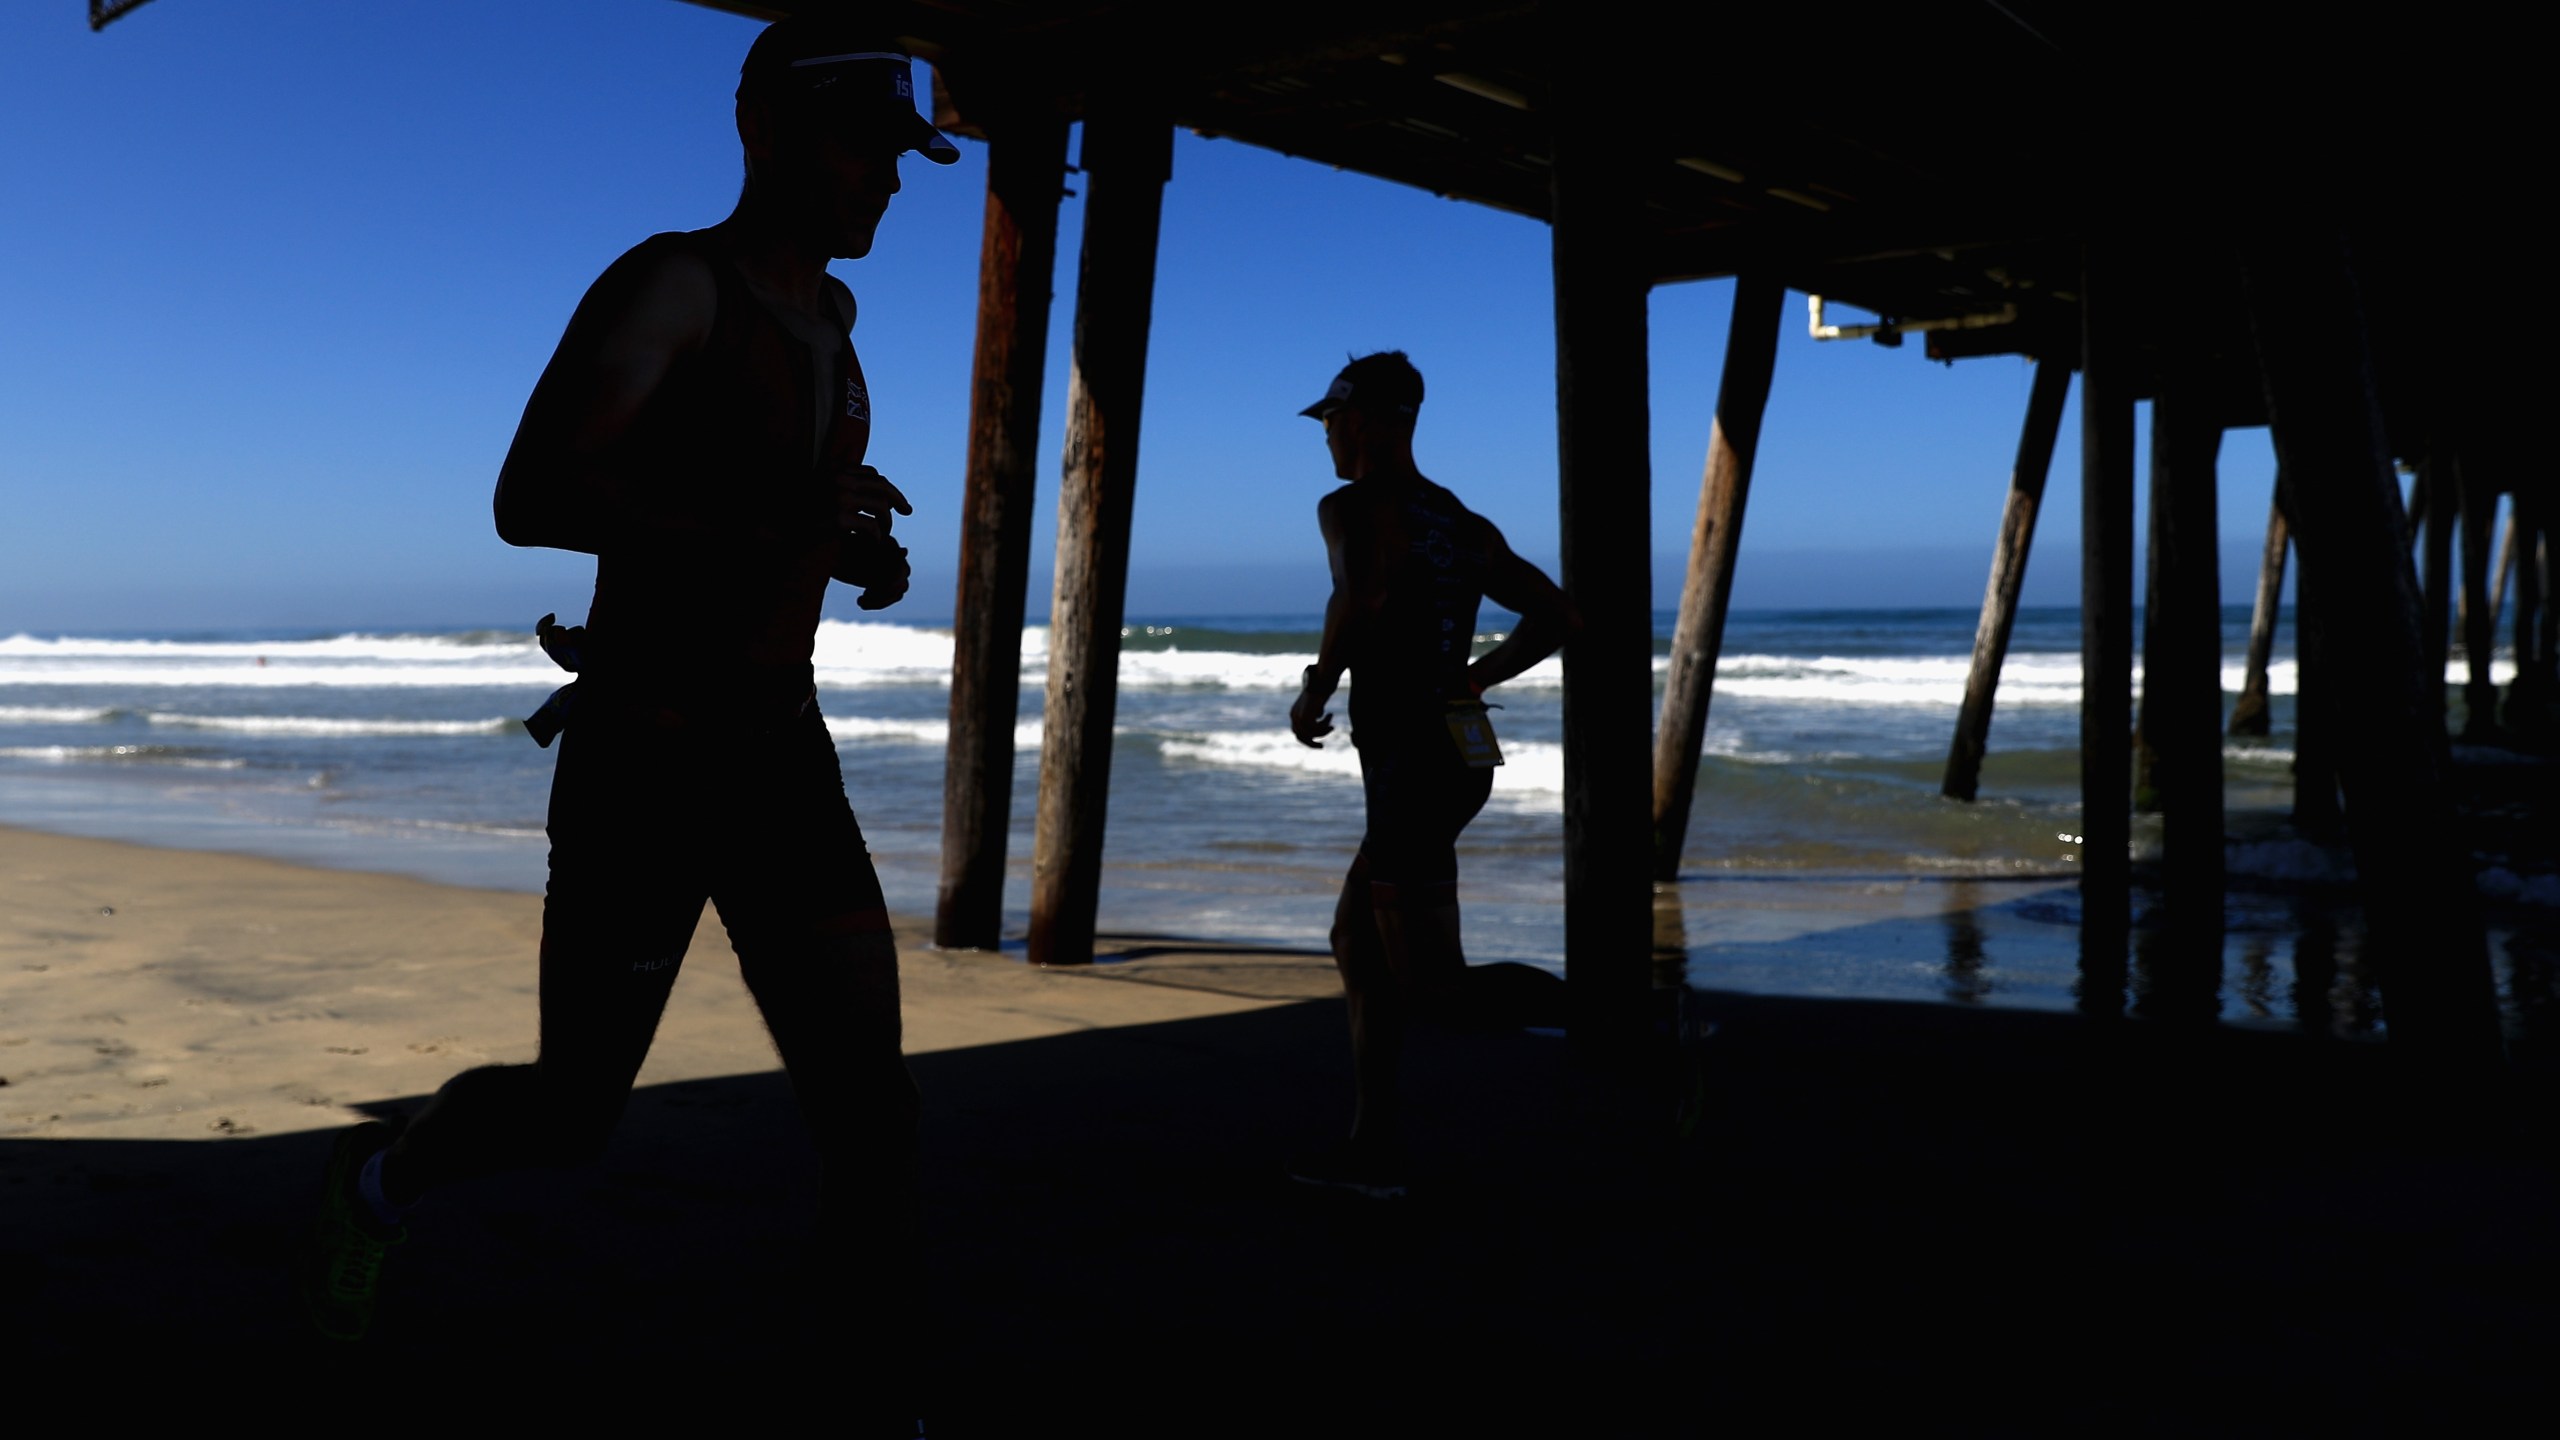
(1955,1217)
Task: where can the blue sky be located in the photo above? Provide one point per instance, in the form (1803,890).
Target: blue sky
(277,275)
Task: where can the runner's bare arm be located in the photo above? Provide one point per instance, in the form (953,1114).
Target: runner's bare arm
(1547,618)
(1359,588)
(561,485)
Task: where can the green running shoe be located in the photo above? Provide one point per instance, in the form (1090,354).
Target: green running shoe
(342,1262)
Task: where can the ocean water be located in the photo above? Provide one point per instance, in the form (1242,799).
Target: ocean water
(1828,732)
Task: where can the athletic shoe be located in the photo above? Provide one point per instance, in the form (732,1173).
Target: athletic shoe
(1357,1170)
(342,1261)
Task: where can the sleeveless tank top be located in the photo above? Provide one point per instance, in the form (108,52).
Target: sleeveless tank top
(721,618)
(1413,659)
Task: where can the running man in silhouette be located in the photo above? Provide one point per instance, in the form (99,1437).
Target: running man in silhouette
(1410,564)
(701,432)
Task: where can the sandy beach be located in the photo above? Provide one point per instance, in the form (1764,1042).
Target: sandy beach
(1999,1221)
(151,994)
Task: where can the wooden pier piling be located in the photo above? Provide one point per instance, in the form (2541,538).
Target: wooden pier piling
(1697,639)
(1017,255)
(2316,812)
(2505,573)
(1603,479)
(2249,713)
(1128,156)
(2182,680)
(2531,689)
(2106,595)
(2478,609)
(2422,913)
(2439,480)
(2008,575)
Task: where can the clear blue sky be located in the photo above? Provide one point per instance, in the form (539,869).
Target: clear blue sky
(277,276)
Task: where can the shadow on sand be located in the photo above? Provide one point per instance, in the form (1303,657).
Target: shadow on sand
(1983,1218)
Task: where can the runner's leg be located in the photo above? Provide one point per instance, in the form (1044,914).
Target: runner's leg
(804,911)
(1414,882)
(624,896)
(1371,993)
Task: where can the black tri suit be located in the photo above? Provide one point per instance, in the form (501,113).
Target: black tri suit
(1408,667)
(695,766)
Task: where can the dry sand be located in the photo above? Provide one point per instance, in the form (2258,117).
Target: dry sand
(151,994)
(1921,1217)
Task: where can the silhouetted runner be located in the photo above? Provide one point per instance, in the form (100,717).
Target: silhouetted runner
(701,432)
(1410,564)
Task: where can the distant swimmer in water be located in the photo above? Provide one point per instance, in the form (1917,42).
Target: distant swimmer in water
(1410,566)
(701,431)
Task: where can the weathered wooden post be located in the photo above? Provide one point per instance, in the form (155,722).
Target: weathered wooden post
(1128,156)
(2182,682)
(2439,477)
(2249,714)
(2146,797)
(1603,476)
(1697,639)
(2315,703)
(2106,596)
(2008,574)
(2479,613)
(2531,689)
(1017,254)
(2414,871)
(2546,652)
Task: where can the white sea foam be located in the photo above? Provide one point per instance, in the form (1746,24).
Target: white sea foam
(1265,750)
(358,661)
(1531,777)
(120,754)
(856,653)
(328,726)
(54,714)
(2272,756)
(852,729)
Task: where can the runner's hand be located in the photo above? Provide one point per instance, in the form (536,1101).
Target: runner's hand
(862,502)
(876,565)
(1309,720)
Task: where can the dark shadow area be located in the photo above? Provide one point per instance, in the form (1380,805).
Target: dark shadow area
(1994,1219)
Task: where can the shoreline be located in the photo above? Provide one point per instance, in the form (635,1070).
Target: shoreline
(158,993)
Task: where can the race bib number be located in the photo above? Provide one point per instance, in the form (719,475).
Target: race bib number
(1472,728)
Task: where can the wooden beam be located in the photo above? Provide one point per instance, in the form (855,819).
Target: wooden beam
(1017,255)
(1127,159)
(2107,388)
(1603,462)
(2422,912)
(1750,356)
(2008,575)
(2250,713)
(2182,680)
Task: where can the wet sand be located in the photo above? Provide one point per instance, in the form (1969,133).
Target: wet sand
(1952,1217)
